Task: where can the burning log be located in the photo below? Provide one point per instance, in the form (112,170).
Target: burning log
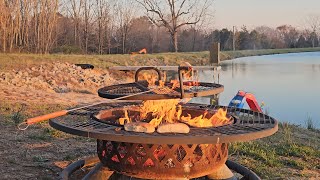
(139,127)
(173,128)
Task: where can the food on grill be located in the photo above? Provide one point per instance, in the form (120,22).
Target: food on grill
(173,128)
(139,127)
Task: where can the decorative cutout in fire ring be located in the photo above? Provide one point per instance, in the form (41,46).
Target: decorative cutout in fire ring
(151,161)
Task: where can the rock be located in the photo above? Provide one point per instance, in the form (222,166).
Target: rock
(61,77)
(73,80)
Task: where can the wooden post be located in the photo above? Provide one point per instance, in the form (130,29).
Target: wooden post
(215,54)
(214,99)
(233,40)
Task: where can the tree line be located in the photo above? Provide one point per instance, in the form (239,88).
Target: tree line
(124,26)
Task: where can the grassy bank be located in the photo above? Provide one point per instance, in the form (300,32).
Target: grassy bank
(9,61)
(227,55)
(292,152)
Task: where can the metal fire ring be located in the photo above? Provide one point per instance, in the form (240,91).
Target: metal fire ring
(121,90)
(249,126)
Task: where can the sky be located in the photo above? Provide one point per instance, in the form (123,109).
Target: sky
(272,13)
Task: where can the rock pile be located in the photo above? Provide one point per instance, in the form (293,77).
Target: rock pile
(58,77)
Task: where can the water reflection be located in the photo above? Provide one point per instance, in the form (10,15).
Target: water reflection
(237,69)
(288,84)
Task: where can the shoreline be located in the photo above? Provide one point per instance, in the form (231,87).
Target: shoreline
(229,55)
(10,61)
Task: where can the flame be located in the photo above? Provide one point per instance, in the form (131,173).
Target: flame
(161,110)
(161,84)
(169,111)
(218,119)
(188,75)
(175,84)
(151,78)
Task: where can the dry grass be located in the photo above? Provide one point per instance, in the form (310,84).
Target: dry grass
(10,61)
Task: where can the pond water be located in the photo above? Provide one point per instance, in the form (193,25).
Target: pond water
(288,84)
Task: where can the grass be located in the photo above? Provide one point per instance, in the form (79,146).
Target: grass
(17,117)
(47,134)
(283,155)
(226,55)
(16,61)
(309,123)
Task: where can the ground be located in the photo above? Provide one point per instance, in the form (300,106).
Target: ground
(41,152)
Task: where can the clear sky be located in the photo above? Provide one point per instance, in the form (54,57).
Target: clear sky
(273,13)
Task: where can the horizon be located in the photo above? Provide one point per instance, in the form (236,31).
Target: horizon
(255,13)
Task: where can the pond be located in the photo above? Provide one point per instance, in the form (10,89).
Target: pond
(288,84)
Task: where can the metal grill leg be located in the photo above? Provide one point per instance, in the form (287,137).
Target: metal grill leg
(98,172)
(222,173)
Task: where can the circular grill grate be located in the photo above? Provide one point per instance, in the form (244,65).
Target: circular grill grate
(249,126)
(120,90)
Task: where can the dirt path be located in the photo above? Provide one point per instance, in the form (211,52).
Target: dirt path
(34,154)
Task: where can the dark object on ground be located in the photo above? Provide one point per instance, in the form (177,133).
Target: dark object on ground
(66,173)
(85,66)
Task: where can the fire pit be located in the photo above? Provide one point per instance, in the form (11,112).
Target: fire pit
(177,89)
(165,156)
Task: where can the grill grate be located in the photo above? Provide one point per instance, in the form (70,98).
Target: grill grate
(120,90)
(249,125)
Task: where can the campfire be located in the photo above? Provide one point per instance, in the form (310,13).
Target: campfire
(167,116)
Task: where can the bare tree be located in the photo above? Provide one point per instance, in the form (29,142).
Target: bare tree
(87,18)
(125,12)
(174,14)
(76,7)
(313,21)
(102,9)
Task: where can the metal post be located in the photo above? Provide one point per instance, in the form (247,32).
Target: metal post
(233,40)
(215,54)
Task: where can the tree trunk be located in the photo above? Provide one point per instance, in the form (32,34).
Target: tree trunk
(194,40)
(123,42)
(175,41)
(4,39)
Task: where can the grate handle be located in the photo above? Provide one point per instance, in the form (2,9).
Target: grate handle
(46,117)
(136,76)
(181,69)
